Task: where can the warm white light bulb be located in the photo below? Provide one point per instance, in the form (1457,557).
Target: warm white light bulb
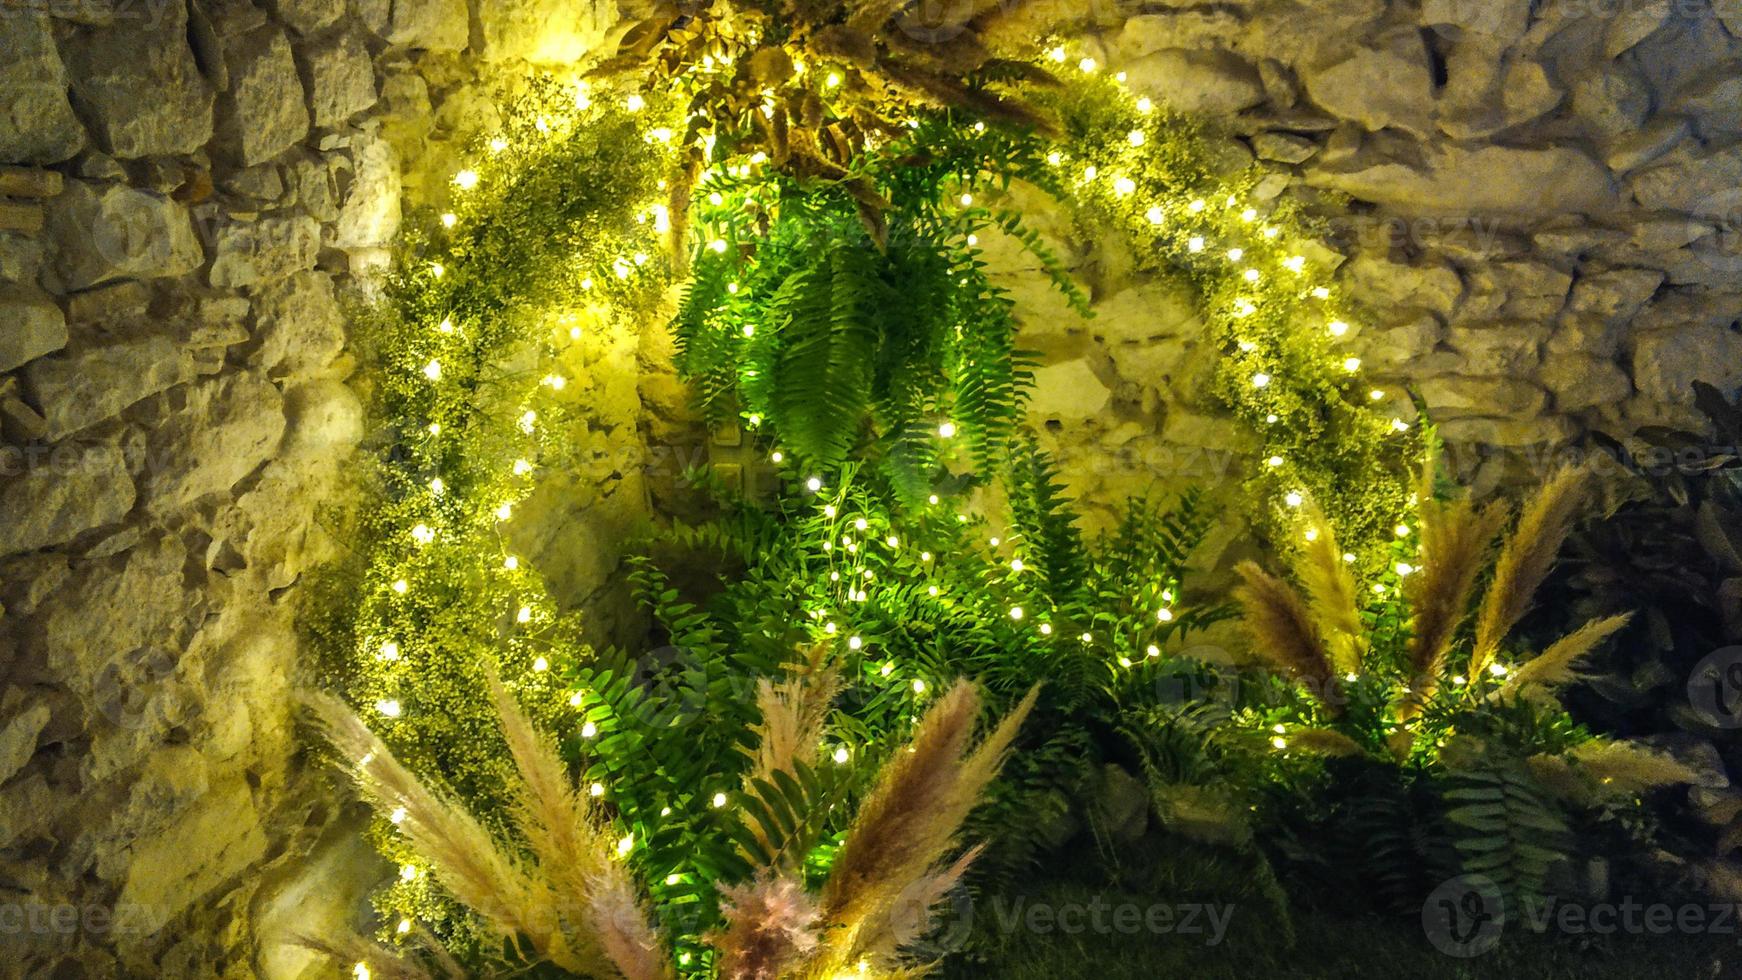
(466,179)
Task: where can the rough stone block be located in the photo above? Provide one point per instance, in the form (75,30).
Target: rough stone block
(141,87)
(340,77)
(62,495)
(37,124)
(219,433)
(250,253)
(31,325)
(442,25)
(265,111)
(74,391)
(114,232)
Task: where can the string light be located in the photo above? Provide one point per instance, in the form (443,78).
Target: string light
(388,708)
(466,179)
(397,816)
(450,219)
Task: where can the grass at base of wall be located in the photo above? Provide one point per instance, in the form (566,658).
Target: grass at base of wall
(1049,928)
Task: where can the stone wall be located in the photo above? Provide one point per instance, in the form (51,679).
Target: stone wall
(191,195)
(1538,220)
(1541,221)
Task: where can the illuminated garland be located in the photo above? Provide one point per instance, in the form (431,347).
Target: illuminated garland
(475,368)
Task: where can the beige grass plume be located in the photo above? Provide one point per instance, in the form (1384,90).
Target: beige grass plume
(794,713)
(462,855)
(909,821)
(1603,769)
(1525,560)
(1282,629)
(565,835)
(1330,590)
(1455,538)
(1557,665)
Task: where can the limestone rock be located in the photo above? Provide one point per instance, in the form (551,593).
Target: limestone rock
(1511,432)
(18,738)
(369,215)
(1684,48)
(1283,147)
(102,233)
(1522,290)
(1711,99)
(325,419)
(1455,179)
(1070,390)
(1707,183)
(1639,147)
(299,324)
(308,16)
(1495,349)
(1459,396)
(220,838)
(1213,82)
(1610,100)
(141,88)
(1388,84)
(265,111)
(20,257)
(1184,427)
(76,390)
(1615,295)
(1491,89)
(1730,13)
(1668,360)
(57,498)
(1503,22)
(1381,281)
(441,25)
(1579,382)
(564,32)
(31,325)
(340,77)
(1121,804)
(1203,28)
(217,434)
(251,253)
(26,805)
(37,124)
(1632,23)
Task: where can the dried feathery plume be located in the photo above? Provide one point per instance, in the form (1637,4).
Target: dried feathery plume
(1557,665)
(910,819)
(382,963)
(1455,538)
(1525,560)
(559,824)
(622,923)
(794,713)
(912,915)
(771,922)
(1330,589)
(1632,766)
(1324,741)
(462,855)
(1282,630)
(1602,769)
